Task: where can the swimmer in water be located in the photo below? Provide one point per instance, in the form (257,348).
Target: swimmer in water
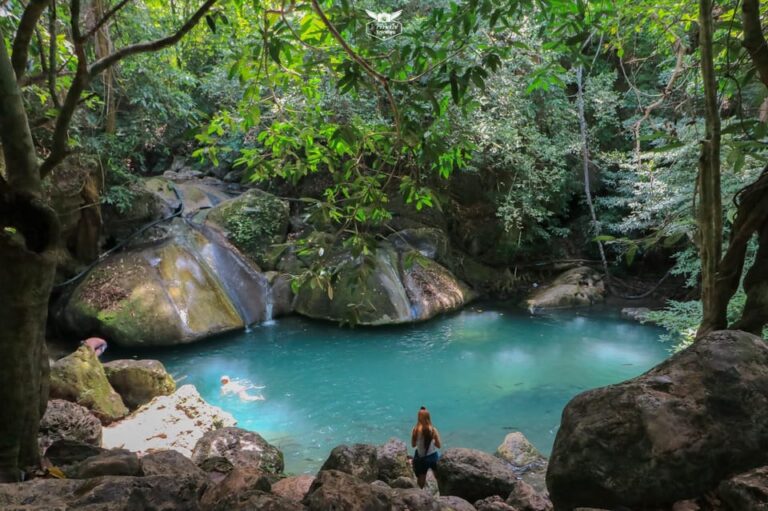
(232,387)
(97,344)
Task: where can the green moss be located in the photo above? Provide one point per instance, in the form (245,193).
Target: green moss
(253,222)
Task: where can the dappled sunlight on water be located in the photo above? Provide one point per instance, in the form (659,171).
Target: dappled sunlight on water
(482,372)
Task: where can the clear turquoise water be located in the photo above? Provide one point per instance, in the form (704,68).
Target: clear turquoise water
(482,372)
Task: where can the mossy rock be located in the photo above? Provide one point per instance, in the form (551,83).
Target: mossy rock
(159,295)
(80,377)
(431,288)
(366,292)
(139,381)
(578,287)
(254,222)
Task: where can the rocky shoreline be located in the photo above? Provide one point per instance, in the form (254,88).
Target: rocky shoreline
(687,435)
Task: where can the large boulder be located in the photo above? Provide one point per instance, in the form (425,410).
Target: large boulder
(65,420)
(388,462)
(241,448)
(385,288)
(186,284)
(173,422)
(474,475)
(234,488)
(139,381)
(68,452)
(577,287)
(114,462)
(333,489)
(173,464)
(253,222)
(293,488)
(79,377)
(358,460)
(746,492)
(100,494)
(525,498)
(162,294)
(670,434)
(429,242)
(392,462)
(431,288)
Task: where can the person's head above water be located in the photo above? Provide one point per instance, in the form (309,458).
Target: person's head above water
(224,379)
(97,344)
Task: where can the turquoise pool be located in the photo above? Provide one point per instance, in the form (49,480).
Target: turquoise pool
(482,372)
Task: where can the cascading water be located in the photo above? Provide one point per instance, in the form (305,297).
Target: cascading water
(268,305)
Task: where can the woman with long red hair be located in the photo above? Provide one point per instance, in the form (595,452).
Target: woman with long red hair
(426,440)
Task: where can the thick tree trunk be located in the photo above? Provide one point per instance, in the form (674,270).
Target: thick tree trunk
(755,315)
(26,278)
(710,235)
(28,230)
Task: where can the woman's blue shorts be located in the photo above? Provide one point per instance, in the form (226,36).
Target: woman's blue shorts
(422,464)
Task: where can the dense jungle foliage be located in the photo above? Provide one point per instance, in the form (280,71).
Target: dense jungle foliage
(287,92)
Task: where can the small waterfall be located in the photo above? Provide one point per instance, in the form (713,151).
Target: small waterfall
(269,302)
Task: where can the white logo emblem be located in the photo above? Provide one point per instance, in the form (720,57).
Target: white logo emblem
(384,25)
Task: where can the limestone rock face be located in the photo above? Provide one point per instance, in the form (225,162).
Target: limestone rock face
(389,288)
(79,377)
(64,420)
(474,475)
(139,381)
(747,491)
(670,434)
(429,242)
(162,294)
(577,287)
(242,448)
(253,222)
(173,422)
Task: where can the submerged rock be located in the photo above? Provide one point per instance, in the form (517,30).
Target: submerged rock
(635,313)
(525,459)
(242,448)
(139,381)
(577,287)
(79,377)
(173,422)
(65,420)
(670,434)
(474,475)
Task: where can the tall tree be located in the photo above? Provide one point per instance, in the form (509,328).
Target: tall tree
(29,228)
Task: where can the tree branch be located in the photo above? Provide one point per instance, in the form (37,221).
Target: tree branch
(18,147)
(105,18)
(754,41)
(24,35)
(150,46)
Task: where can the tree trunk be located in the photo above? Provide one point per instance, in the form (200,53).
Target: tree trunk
(28,231)
(755,315)
(585,164)
(710,235)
